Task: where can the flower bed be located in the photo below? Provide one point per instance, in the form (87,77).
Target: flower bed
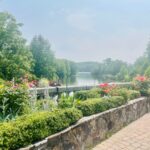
(33,124)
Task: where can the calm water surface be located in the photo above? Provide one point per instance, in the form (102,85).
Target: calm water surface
(85,78)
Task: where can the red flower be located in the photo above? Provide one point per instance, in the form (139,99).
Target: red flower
(106,91)
(103,85)
(141,78)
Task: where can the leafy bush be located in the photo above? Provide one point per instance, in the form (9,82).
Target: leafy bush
(31,128)
(66,101)
(93,106)
(142,84)
(125,93)
(132,94)
(84,95)
(106,88)
(43,83)
(1,81)
(13,101)
(45,104)
(120,92)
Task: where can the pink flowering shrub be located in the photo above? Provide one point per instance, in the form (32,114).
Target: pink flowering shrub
(106,88)
(142,84)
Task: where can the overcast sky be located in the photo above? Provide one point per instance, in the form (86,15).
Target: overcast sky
(86,30)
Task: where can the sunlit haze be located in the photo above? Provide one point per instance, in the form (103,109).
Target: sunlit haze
(86,30)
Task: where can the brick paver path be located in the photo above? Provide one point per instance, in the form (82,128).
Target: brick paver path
(135,136)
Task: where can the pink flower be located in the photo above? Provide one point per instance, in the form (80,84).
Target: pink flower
(31,84)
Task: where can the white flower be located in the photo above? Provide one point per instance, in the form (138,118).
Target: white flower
(71,94)
(64,94)
(55,98)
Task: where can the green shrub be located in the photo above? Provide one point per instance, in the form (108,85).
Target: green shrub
(13,101)
(66,101)
(31,128)
(2,81)
(125,93)
(84,95)
(45,104)
(142,84)
(132,94)
(43,82)
(93,106)
(120,92)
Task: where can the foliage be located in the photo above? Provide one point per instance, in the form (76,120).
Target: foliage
(61,70)
(31,128)
(123,74)
(87,66)
(109,69)
(43,82)
(92,106)
(13,101)
(84,95)
(142,84)
(45,105)
(65,70)
(43,57)
(66,101)
(140,65)
(132,94)
(2,82)
(125,93)
(147,72)
(15,57)
(106,88)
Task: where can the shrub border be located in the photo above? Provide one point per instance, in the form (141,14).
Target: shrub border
(134,109)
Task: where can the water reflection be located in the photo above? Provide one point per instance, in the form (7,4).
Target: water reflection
(85,78)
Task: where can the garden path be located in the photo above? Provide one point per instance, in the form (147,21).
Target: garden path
(135,136)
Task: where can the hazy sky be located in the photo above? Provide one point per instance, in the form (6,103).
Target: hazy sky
(86,30)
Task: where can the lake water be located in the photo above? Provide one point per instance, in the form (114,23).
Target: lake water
(85,78)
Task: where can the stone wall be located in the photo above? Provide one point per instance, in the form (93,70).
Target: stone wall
(93,129)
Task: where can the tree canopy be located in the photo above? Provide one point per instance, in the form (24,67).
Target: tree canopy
(44,58)
(15,57)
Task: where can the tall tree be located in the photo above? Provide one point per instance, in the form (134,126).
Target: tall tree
(66,70)
(15,57)
(61,70)
(44,58)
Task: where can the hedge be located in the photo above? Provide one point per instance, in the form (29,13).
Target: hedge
(84,95)
(133,94)
(125,93)
(95,93)
(93,106)
(32,128)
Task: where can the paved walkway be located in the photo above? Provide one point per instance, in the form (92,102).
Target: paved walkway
(135,136)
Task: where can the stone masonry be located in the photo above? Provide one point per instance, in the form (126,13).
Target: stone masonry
(91,130)
(135,136)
